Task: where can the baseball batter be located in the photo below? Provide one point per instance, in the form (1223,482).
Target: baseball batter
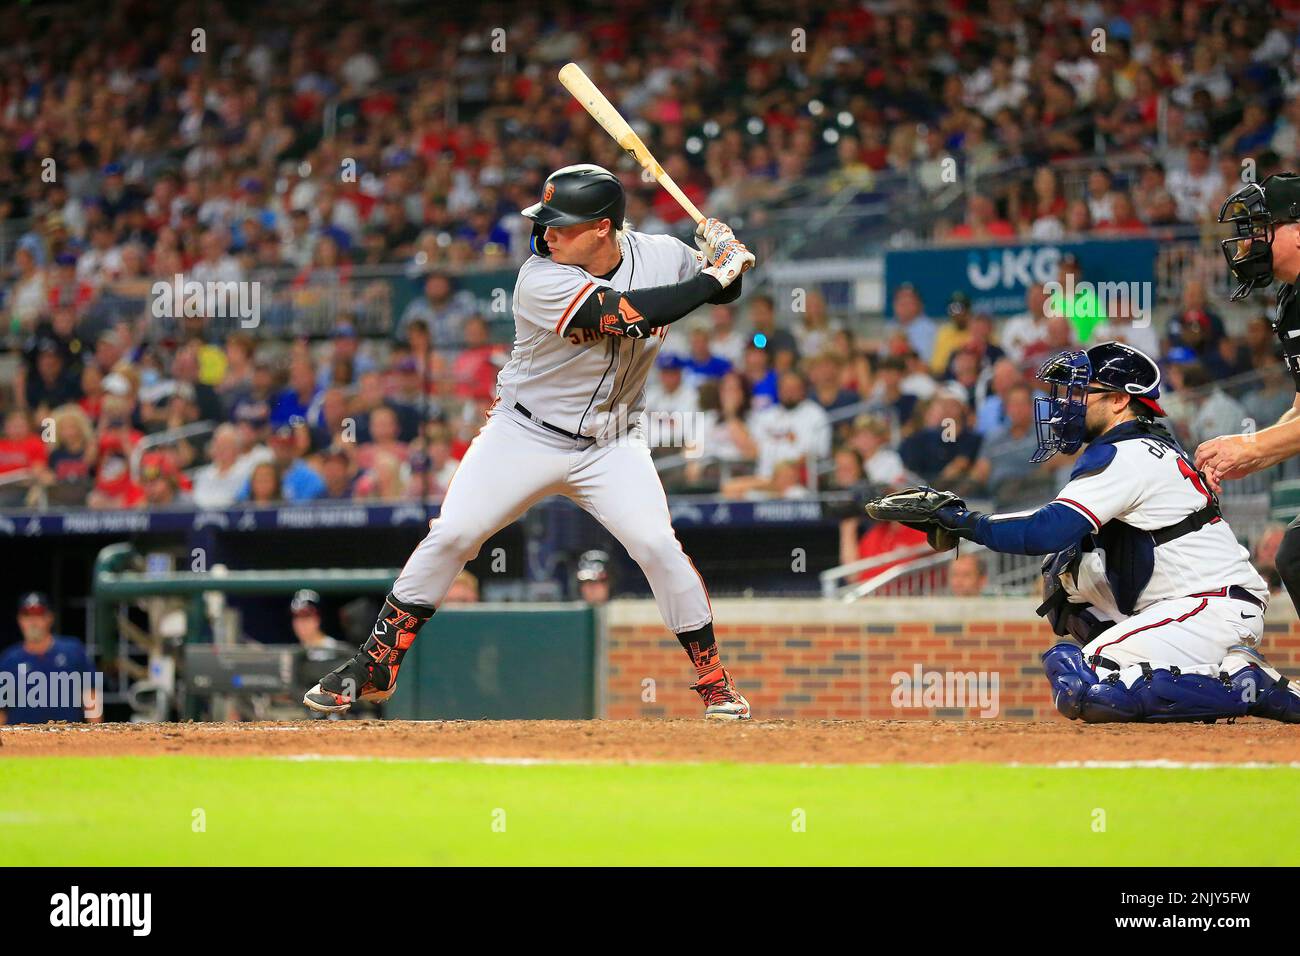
(1164,608)
(592,306)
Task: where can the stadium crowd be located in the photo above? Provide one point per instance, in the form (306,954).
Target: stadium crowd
(130,155)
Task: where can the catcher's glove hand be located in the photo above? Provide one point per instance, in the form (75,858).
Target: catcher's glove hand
(919,508)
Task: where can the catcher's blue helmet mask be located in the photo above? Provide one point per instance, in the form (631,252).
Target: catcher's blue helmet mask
(1072,375)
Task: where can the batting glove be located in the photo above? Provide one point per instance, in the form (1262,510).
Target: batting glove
(732,260)
(709,234)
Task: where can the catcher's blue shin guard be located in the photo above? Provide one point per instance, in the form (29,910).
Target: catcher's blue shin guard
(1168,696)
(1078,693)
(1263,694)
(1160,695)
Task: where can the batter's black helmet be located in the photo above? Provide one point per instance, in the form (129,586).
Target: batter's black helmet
(573,195)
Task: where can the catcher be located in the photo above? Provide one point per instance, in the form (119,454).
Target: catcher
(1160,607)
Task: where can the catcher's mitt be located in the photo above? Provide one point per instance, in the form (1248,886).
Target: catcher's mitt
(916,507)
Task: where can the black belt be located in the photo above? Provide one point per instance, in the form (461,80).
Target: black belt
(547,425)
(1236,592)
(1193,522)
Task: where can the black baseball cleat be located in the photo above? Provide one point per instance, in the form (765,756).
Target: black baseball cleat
(371,674)
(721,699)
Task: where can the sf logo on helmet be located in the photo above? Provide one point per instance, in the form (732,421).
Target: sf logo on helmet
(548,192)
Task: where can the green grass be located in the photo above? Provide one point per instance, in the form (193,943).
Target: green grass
(139,810)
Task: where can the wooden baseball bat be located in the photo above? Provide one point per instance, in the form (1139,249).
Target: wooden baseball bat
(602,110)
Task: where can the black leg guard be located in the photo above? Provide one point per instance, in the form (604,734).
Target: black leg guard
(371,675)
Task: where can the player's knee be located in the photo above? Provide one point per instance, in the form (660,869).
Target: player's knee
(1080,695)
(654,550)
(1069,676)
(458,538)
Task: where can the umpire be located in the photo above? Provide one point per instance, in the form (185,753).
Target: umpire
(1265,246)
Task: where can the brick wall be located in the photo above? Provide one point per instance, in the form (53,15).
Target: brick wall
(815,659)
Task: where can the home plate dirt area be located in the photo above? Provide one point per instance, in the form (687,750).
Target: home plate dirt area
(648,741)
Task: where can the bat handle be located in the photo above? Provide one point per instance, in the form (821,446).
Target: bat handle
(675,191)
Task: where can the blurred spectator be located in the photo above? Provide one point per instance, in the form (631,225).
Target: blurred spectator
(881,464)
(953,334)
(1197,187)
(1205,409)
(1196,326)
(304,611)
(383,480)
(115,489)
(70,467)
(723,433)
(337,473)
(1076,300)
(463,590)
(1002,470)
(978,344)
(443,309)
(161,482)
(52,382)
(882,539)
(29,295)
(825,374)
(296,401)
(218,484)
(846,470)
(62,663)
(888,395)
(702,364)
(991,396)
(20,449)
(1124,218)
(593,577)
(909,313)
(1024,332)
(760,377)
(724,341)
(813,329)
(294,479)
(982,223)
(347,352)
(264,486)
(476,366)
(383,438)
(795,429)
(670,392)
(967,576)
(762,328)
(250,408)
(943,450)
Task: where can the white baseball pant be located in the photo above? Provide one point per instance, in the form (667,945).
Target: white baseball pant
(511,465)
(1194,634)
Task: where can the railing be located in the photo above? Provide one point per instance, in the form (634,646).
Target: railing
(171,436)
(830,579)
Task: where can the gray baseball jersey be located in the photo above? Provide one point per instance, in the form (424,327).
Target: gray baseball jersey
(581,380)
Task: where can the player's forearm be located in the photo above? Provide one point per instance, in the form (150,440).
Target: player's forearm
(1051,528)
(651,308)
(730,294)
(1292,413)
(1281,441)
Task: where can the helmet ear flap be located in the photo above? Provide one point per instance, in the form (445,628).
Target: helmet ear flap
(537,242)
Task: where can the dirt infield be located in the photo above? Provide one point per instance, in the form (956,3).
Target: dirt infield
(775,741)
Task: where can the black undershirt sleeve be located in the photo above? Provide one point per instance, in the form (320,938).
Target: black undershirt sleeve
(661,305)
